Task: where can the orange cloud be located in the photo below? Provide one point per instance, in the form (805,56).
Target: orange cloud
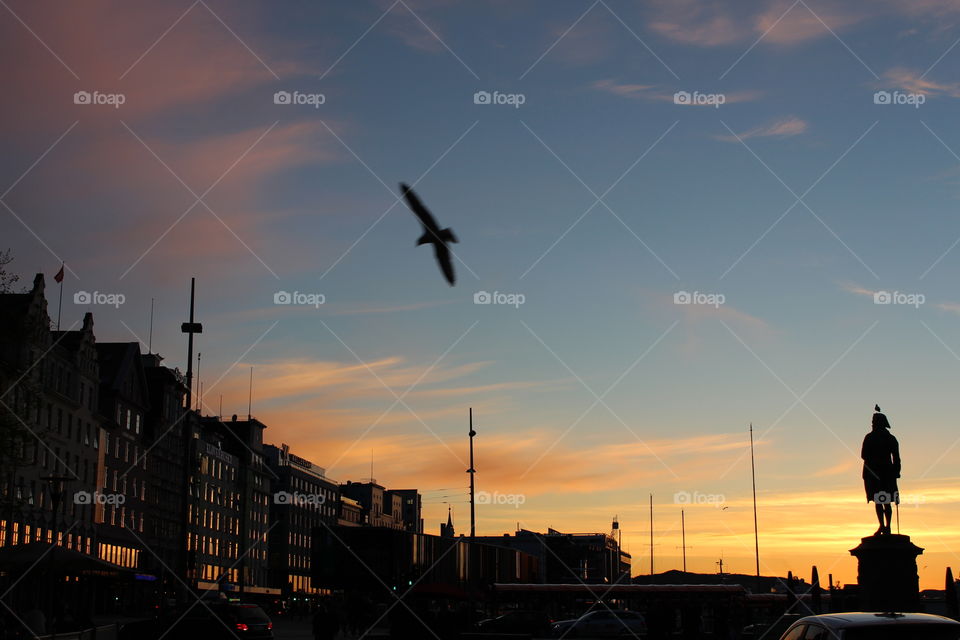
(851,287)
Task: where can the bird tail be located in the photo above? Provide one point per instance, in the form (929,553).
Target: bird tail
(444,235)
(447,235)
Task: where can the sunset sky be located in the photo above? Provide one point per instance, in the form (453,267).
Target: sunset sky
(790,205)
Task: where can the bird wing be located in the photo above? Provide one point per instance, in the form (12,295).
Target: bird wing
(429,224)
(443,259)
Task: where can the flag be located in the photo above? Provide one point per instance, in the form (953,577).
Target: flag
(59,276)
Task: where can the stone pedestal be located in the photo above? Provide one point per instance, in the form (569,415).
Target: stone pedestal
(887,573)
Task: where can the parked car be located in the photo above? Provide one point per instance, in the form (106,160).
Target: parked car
(520,621)
(603,623)
(873,626)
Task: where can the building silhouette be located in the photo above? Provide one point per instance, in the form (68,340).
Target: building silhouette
(100,453)
(168,425)
(243,439)
(570,557)
(303,499)
(49,446)
(124,402)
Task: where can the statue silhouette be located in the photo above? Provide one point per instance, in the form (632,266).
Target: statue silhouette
(881,468)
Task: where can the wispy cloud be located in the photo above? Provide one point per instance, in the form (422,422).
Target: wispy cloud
(623,88)
(851,287)
(663,94)
(714,24)
(952,307)
(788,26)
(915,81)
(783,128)
(703,24)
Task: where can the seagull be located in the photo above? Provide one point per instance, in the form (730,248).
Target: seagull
(432,233)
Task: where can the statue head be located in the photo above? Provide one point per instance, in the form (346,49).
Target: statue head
(880,421)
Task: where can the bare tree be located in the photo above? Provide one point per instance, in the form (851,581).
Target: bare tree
(7,279)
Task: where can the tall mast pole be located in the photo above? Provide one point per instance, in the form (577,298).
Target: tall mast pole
(472,471)
(683,538)
(753,477)
(250,398)
(60,305)
(199,384)
(190,328)
(150,338)
(651,534)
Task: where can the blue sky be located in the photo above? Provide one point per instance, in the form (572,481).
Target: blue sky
(699,200)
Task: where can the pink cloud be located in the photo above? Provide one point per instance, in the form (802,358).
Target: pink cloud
(713,24)
(704,24)
(121,47)
(802,22)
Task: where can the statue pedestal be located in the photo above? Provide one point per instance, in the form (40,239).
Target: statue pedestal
(887,573)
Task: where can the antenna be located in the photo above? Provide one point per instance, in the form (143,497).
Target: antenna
(651,534)
(683,538)
(150,338)
(220,410)
(250,396)
(472,471)
(190,328)
(753,477)
(199,386)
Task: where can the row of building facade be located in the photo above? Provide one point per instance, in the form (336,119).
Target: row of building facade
(100,453)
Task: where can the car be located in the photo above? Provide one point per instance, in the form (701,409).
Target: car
(603,623)
(873,626)
(222,620)
(518,621)
(247,621)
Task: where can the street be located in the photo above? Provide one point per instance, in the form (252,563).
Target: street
(288,629)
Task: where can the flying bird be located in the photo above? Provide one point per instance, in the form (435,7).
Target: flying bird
(432,233)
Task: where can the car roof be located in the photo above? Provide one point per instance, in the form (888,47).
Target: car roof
(865,619)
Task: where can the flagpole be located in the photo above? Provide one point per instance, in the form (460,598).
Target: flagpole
(60,305)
